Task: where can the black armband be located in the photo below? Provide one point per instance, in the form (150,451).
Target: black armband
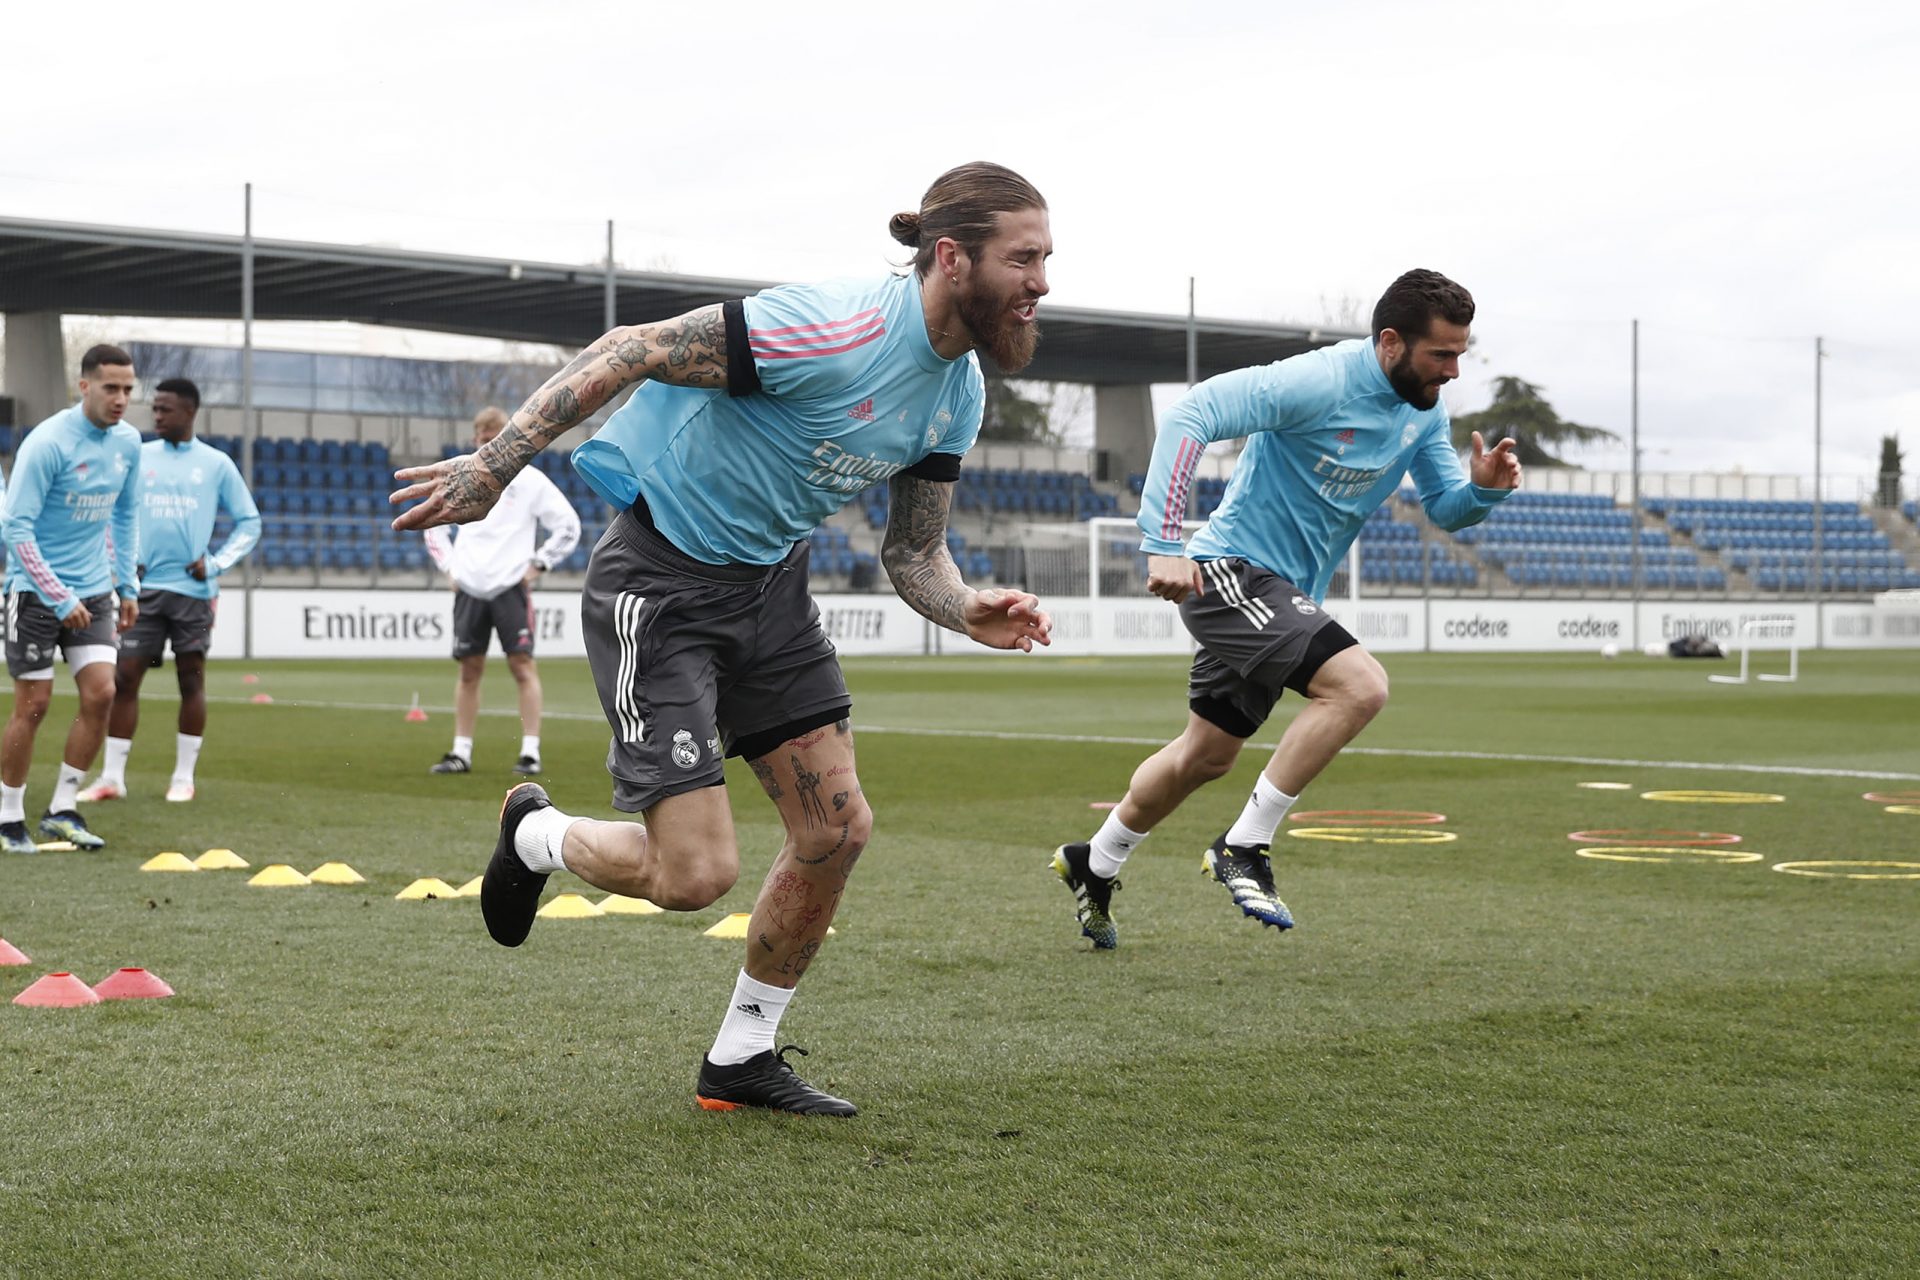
(743,379)
(944,467)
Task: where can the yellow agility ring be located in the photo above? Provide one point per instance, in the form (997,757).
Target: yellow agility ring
(1367,817)
(1714,797)
(1903,808)
(1910,870)
(1374,835)
(1654,852)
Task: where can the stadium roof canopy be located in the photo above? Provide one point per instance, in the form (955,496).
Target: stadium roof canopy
(125,271)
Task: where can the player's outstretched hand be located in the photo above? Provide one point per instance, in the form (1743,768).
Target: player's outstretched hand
(1496,470)
(1008,620)
(452,491)
(1173,578)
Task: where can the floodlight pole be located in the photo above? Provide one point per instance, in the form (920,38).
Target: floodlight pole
(1193,338)
(1635,577)
(248,427)
(1819,557)
(612,284)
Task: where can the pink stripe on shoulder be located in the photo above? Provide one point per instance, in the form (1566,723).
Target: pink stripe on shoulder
(819,326)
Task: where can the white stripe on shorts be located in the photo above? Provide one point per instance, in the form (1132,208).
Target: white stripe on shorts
(1256,611)
(626,627)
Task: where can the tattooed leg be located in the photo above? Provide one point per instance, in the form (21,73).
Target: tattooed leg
(811,781)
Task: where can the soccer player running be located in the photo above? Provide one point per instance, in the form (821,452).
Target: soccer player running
(493,565)
(757,419)
(184,484)
(74,474)
(1332,432)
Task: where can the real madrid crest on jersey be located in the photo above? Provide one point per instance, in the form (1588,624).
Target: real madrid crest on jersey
(933,435)
(685,753)
(1409,433)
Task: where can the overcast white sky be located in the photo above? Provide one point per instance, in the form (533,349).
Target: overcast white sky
(1740,177)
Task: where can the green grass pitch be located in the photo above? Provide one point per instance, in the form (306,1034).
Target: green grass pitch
(1488,1057)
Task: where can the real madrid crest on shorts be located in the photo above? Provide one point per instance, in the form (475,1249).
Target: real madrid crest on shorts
(685,753)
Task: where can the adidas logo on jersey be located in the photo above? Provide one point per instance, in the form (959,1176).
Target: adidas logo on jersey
(862,411)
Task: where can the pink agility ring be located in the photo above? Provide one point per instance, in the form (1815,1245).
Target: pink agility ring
(1893,797)
(1658,835)
(1367,817)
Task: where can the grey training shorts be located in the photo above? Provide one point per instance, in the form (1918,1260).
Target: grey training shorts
(34,634)
(1258,635)
(695,662)
(168,617)
(508,615)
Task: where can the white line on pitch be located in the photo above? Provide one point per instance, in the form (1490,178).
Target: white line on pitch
(1004,735)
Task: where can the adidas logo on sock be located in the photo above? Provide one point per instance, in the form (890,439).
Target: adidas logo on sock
(751,1010)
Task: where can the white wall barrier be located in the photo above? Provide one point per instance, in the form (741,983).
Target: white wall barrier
(416,624)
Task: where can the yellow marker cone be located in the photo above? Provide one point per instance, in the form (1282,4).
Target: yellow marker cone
(335,873)
(278,876)
(471,889)
(571,906)
(220,860)
(168,862)
(424,888)
(617,905)
(734,926)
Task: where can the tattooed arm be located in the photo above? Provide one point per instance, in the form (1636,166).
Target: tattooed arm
(687,351)
(925,576)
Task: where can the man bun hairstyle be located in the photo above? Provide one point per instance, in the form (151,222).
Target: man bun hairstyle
(182,387)
(963,205)
(1411,302)
(103,353)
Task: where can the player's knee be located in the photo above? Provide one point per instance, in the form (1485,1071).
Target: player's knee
(32,707)
(1368,693)
(689,884)
(96,699)
(841,838)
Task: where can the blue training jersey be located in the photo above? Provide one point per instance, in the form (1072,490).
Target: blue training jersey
(849,392)
(71,481)
(1331,440)
(182,488)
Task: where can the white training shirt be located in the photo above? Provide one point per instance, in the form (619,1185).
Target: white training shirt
(492,554)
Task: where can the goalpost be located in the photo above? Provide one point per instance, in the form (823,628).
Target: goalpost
(1095,558)
(1766,629)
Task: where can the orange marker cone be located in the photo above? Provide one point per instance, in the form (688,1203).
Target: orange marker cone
(132,984)
(57,991)
(416,713)
(10,954)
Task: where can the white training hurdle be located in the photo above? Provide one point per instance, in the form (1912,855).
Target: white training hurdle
(1768,629)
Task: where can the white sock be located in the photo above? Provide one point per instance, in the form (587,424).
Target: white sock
(186,753)
(1265,808)
(538,839)
(66,788)
(752,1018)
(463,747)
(530,745)
(115,768)
(13,803)
(1110,846)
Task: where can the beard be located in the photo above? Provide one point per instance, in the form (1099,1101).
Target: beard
(995,330)
(1407,383)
